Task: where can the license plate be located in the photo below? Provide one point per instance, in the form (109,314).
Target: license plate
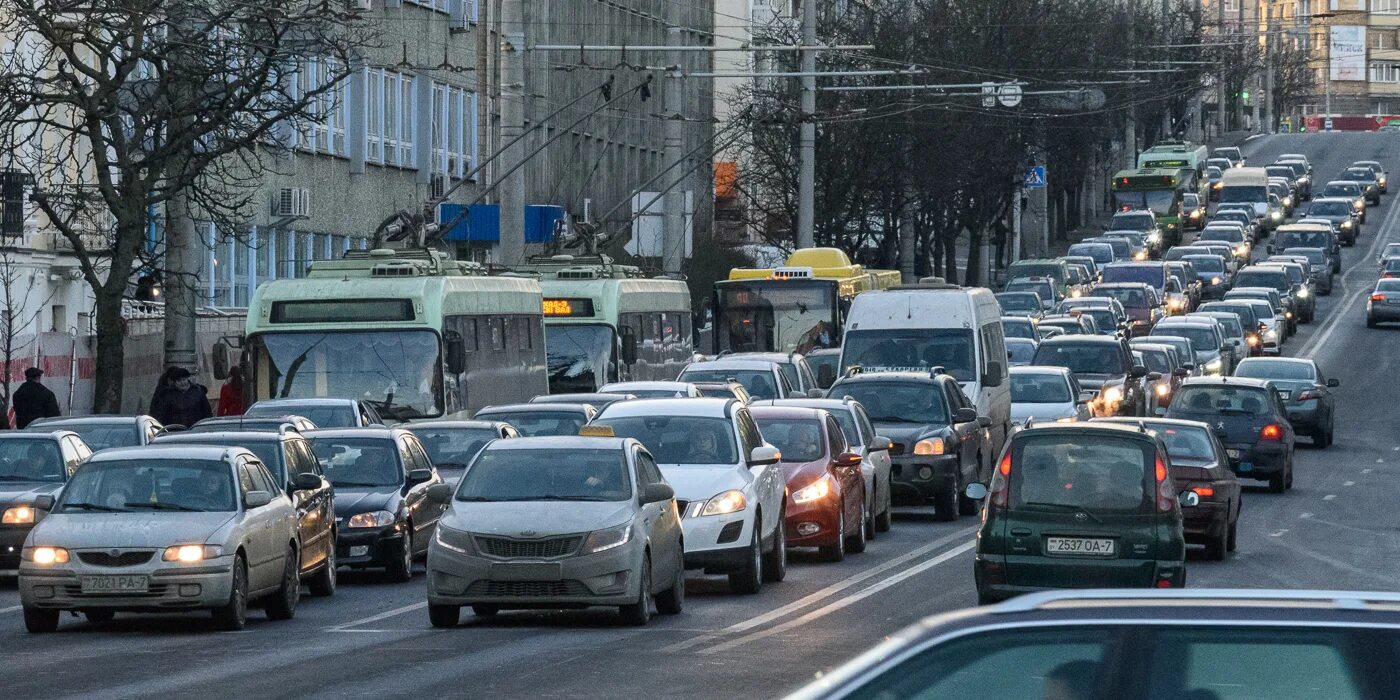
(114,584)
(526,572)
(1079,545)
(1234,454)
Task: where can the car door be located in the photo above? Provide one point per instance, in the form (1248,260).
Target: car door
(769,481)
(852,481)
(658,518)
(424,510)
(261,528)
(315,516)
(964,434)
(283,516)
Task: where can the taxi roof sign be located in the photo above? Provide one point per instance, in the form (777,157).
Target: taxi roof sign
(604,431)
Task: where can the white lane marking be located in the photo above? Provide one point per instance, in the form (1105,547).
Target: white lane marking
(1367,470)
(833,589)
(1395,449)
(1348,483)
(14,608)
(1329,497)
(1380,461)
(1277,533)
(1305,515)
(1334,320)
(843,602)
(381,616)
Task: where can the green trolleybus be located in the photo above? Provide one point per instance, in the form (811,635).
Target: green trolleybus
(1156,189)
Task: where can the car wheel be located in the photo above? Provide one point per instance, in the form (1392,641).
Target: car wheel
(869,506)
(775,561)
(444,615)
(1370,322)
(639,613)
(856,543)
(482,610)
(323,583)
(1277,483)
(967,506)
(283,604)
(1218,545)
(749,578)
(837,552)
(1232,539)
(41,620)
(884,519)
(233,615)
(945,503)
(672,600)
(401,568)
(1288,480)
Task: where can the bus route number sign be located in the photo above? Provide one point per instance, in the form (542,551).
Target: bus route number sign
(568,307)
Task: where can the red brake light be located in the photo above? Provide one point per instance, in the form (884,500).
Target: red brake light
(1204,491)
(1308,395)
(1166,496)
(1377,297)
(1164,583)
(1271,432)
(1001,482)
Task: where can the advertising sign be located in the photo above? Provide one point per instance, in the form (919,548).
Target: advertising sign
(1347,52)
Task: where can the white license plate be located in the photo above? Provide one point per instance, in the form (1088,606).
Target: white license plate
(1079,545)
(1234,454)
(114,584)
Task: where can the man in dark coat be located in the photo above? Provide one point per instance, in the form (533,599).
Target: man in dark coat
(33,400)
(180,400)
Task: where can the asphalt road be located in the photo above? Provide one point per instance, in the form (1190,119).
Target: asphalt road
(1336,529)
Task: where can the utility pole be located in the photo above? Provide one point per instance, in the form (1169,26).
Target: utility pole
(512,188)
(673,222)
(1239,101)
(807,138)
(1130,126)
(907,240)
(181,281)
(1220,87)
(1270,46)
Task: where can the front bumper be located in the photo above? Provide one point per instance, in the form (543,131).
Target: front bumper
(716,533)
(11,543)
(174,588)
(814,523)
(369,546)
(917,478)
(606,578)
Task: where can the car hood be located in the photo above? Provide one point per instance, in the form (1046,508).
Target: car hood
(800,474)
(24,492)
(99,530)
(702,482)
(536,518)
(350,501)
(1042,411)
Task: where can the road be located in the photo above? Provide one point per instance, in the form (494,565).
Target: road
(1336,529)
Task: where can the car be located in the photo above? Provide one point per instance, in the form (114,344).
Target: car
(1300,288)
(1213,274)
(1281,281)
(1101,253)
(1298,157)
(233,424)
(1160,359)
(1302,175)
(1144,221)
(1020,351)
(1379,171)
(1139,247)
(1048,332)
(381,478)
(103,432)
(295,470)
(1198,463)
(652,389)
(1153,274)
(1197,643)
(1383,306)
(540,419)
(1028,304)
(1249,418)
(1319,262)
(1018,327)
(1102,365)
(592,522)
(724,390)
(1213,178)
(1233,235)
(1219,163)
(793,365)
(1189,281)
(762,378)
(1140,301)
(1046,394)
(1090,265)
(1274,328)
(825,363)
(1340,214)
(874,451)
(827,505)
(1213,356)
(1083,505)
(1391,250)
(1251,325)
(1039,268)
(1224,250)
(1122,249)
(1228,218)
(1044,287)
(451,444)
(32,464)
(1237,345)
(324,413)
(596,400)
(1279,188)
(730,489)
(1105,320)
(216,533)
(1185,351)
(1120,315)
(1233,153)
(939,444)
(1081,282)
(1306,393)
(1370,184)
(1193,210)
(1071,324)
(1348,190)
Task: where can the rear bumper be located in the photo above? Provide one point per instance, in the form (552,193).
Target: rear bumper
(1205,521)
(1305,416)
(1258,461)
(992,576)
(914,478)
(1383,312)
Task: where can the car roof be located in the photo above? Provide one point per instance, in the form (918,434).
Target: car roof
(27,434)
(1227,381)
(824,351)
(86,420)
(213,453)
(698,407)
(781,358)
(1182,321)
(458,424)
(619,387)
(1288,360)
(1040,369)
(1080,339)
(558,442)
(535,408)
(1150,421)
(213,436)
(734,363)
(307,402)
(1016,319)
(824,404)
(370,432)
(1101,429)
(787,412)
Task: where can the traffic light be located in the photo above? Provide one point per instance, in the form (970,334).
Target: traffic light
(1244,95)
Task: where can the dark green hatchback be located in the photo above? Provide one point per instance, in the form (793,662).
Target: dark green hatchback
(1080,506)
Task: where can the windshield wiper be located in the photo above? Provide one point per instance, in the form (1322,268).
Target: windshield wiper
(93,506)
(165,506)
(1067,506)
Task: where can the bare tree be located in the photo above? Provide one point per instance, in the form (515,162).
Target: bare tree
(18,313)
(119,107)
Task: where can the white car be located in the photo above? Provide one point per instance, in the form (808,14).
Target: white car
(163,529)
(730,489)
(764,379)
(1046,394)
(653,390)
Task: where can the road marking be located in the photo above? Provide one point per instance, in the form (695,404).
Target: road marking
(833,589)
(1277,533)
(1333,321)
(1348,483)
(14,608)
(381,616)
(1329,497)
(1305,515)
(1367,470)
(1380,461)
(843,602)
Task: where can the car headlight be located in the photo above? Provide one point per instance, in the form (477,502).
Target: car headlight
(1214,366)
(190,553)
(1113,395)
(1252,340)
(46,556)
(1302,294)
(727,502)
(929,446)
(1154,238)
(1287,201)
(1271,334)
(1359,204)
(1162,389)
(378,518)
(611,538)
(18,515)
(1140,255)
(1347,224)
(1276,215)
(1196,214)
(1174,303)
(444,537)
(816,490)
(1215,280)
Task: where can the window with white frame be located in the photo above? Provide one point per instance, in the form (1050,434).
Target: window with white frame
(327,113)
(389,117)
(454,131)
(439,5)
(1385,72)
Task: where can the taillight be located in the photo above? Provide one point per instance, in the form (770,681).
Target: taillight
(1308,395)
(1204,491)
(1271,431)
(1001,482)
(1377,297)
(1166,497)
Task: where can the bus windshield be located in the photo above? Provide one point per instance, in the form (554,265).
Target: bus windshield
(1159,201)
(579,357)
(399,372)
(776,316)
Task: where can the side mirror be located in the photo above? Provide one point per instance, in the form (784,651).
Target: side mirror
(976,491)
(628,337)
(257,499)
(1333,383)
(996,371)
(764,455)
(847,460)
(44,502)
(418,476)
(984,421)
(305,481)
(965,415)
(1138,372)
(1154,376)
(656,493)
(1190,499)
(880,443)
(815,393)
(456,353)
(1181,372)
(220,360)
(440,493)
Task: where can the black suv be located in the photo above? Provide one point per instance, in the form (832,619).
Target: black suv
(938,439)
(1102,364)
(289,457)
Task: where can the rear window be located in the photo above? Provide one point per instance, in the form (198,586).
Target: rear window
(1081,470)
(759,383)
(799,440)
(1020,353)
(898,402)
(1154,276)
(1018,302)
(1274,279)
(539,423)
(1238,400)
(1039,388)
(1388,286)
(1275,369)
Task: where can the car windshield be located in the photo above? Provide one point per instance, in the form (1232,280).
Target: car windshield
(1229,235)
(323,415)
(547,475)
(1095,473)
(1043,289)
(1243,193)
(1039,388)
(1330,209)
(1135,273)
(1206,263)
(1190,200)
(1100,253)
(98,436)
(579,357)
(916,349)
(680,439)
(1276,369)
(1020,353)
(399,372)
(1341,190)
(1213,173)
(1185,443)
(1244,311)
(1203,337)
(539,423)
(269,452)
(1360,174)
(799,440)
(1234,215)
(358,462)
(453,448)
(758,382)
(1159,201)
(1019,328)
(1033,269)
(35,459)
(1185,349)
(847,420)
(1082,357)
(1231,324)
(149,485)
(1129,297)
(1273,279)
(893,401)
(1019,302)
(1279,171)
(1120,247)
(1315,256)
(1221,399)
(823,366)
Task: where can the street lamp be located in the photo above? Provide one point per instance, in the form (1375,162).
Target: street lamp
(1326,72)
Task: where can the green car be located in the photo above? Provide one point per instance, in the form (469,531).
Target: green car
(1080,506)
(1054,268)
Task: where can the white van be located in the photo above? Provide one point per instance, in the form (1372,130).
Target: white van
(1249,186)
(934,324)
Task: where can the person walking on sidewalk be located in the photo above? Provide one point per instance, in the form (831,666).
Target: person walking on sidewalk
(231,394)
(180,400)
(33,400)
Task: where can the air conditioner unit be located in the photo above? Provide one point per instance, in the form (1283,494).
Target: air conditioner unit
(437,187)
(360,5)
(292,202)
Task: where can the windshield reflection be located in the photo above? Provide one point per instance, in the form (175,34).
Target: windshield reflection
(398,372)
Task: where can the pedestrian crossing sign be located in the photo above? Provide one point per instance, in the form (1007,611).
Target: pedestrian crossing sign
(1035,176)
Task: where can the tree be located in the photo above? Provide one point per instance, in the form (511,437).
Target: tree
(119,107)
(17,313)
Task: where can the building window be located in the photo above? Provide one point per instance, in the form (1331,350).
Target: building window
(389,117)
(1385,72)
(439,5)
(454,131)
(327,113)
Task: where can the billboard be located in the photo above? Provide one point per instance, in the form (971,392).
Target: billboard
(1347,52)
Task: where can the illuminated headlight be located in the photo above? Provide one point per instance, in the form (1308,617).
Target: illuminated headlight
(817,490)
(1252,340)
(448,539)
(18,515)
(1162,389)
(1241,250)
(1287,201)
(46,556)
(1347,224)
(1359,204)
(1215,280)
(1196,214)
(1215,185)
(611,538)
(1288,314)
(1276,215)
(727,502)
(1174,303)
(190,553)
(1154,237)
(378,518)
(1302,294)
(1271,334)
(1214,366)
(930,446)
(1140,255)
(1113,395)
(1077,293)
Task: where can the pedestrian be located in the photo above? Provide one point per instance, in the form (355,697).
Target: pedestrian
(179,400)
(231,394)
(33,400)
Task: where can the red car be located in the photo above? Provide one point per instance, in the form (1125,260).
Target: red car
(825,490)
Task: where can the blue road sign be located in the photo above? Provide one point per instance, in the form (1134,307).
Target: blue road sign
(1035,176)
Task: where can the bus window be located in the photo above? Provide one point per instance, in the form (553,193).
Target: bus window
(498,332)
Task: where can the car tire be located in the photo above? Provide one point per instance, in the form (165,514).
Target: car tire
(1371,322)
(323,583)
(444,615)
(1218,546)
(855,544)
(986,599)
(869,518)
(945,503)
(749,578)
(41,620)
(1233,537)
(1277,483)
(233,615)
(1288,478)
(968,506)
(637,614)
(672,600)
(483,610)
(282,605)
(884,520)
(837,552)
(400,570)
(775,560)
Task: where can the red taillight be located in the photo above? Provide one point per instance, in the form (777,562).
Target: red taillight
(1204,491)
(1308,395)
(1164,583)
(1377,297)
(1166,495)
(1001,482)
(1271,431)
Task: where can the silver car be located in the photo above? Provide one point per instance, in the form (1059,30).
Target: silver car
(558,522)
(1048,394)
(163,529)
